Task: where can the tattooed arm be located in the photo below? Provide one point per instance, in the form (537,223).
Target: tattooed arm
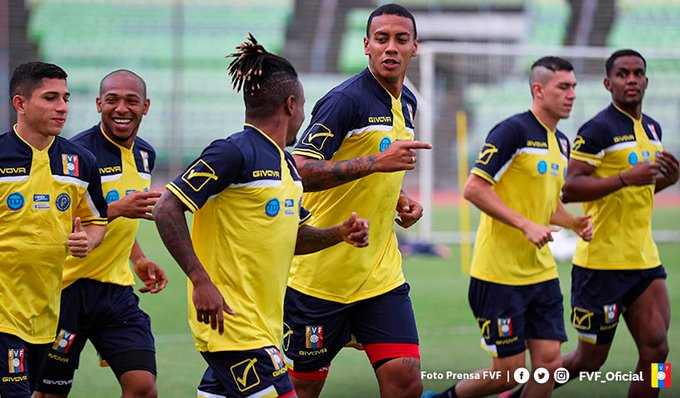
(318,175)
(172,226)
(353,231)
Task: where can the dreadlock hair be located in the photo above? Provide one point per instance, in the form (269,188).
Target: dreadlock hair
(267,80)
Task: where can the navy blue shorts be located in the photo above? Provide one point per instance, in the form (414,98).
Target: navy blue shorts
(20,366)
(598,297)
(109,316)
(315,330)
(508,315)
(257,373)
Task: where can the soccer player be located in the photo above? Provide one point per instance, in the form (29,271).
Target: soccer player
(53,205)
(514,292)
(617,166)
(246,195)
(354,155)
(98,301)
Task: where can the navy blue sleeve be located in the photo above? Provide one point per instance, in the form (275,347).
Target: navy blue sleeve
(332,118)
(501,144)
(218,166)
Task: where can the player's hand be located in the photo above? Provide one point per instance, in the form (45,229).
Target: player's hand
(210,305)
(152,274)
(78,241)
(583,226)
(400,155)
(643,173)
(135,205)
(538,234)
(354,231)
(408,211)
(668,166)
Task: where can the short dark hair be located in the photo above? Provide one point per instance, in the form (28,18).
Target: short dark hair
(28,76)
(609,65)
(266,79)
(119,71)
(392,9)
(553,63)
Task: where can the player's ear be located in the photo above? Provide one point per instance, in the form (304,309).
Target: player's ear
(366,50)
(147,104)
(607,84)
(290,104)
(537,90)
(18,103)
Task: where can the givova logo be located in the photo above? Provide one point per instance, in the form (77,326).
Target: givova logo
(661,375)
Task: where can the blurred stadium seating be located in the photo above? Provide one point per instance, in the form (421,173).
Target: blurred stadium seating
(180,53)
(92,38)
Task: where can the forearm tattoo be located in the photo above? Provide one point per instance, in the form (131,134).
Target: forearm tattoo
(318,175)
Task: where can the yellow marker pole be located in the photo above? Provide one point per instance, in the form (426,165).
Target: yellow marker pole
(463,205)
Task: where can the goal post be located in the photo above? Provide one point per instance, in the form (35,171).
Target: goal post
(488,83)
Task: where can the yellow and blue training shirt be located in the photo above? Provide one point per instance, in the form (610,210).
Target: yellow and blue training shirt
(42,191)
(613,142)
(246,195)
(123,171)
(357,118)
(526,163)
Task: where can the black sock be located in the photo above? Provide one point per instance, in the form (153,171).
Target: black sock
(450,393)
(518,392)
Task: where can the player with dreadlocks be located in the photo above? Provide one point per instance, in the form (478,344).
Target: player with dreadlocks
(248,222)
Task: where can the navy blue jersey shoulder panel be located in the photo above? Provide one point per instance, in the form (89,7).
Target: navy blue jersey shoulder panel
(15,156)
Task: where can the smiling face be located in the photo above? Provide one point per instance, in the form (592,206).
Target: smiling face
(390,45)
(122,103)
(627,82)
(43,113)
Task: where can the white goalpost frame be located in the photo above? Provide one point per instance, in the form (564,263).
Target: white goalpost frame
(427,53)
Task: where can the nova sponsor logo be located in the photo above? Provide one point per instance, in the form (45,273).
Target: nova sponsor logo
(110,170)
(12,170)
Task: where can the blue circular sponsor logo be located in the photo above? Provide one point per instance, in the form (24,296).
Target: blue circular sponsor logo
(272,207)
(384,143)
(112,196)
(63,201)
(542,167)
(633,158)
(15,201)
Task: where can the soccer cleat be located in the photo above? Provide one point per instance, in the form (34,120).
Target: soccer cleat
(429,394)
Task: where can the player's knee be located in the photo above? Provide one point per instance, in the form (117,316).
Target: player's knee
(412,386)
(655,348)
(141,390)
(505,384)
(138,384)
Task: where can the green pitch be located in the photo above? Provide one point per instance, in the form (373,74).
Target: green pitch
(448,332)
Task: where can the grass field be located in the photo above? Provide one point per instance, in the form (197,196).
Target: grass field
(448,332)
